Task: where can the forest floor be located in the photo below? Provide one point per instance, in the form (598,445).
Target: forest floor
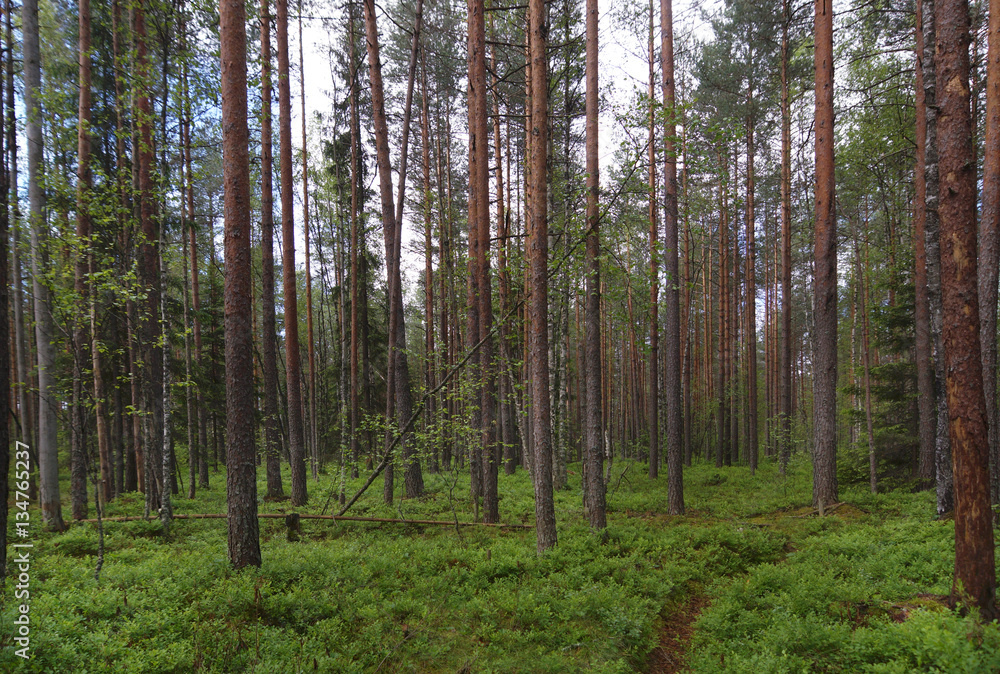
(750,579)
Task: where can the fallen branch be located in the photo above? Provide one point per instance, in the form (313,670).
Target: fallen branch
(279,516)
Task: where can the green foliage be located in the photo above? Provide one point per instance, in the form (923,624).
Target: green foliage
(854,591)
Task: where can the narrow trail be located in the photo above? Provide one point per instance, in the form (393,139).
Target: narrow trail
(675,636)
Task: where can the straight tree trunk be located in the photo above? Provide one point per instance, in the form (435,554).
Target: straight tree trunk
(477,193)
(48,456)
(785,361)
(355,134)
(751,302)
(149,325)
(83,232)
(825,276)
(975,573)
(989,247)
(653,402)
(942,447)
(293,371)
(479,213)
(545,518)
(269,337)
(5,354)
(399,376)
(310,339)
(675,457)
(594,491)
(922,339)
(241,468)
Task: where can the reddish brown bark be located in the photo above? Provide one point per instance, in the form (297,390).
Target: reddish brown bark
(479,213)
(989,247)
(975,575)
(152,353)
(825,275)
(241,469)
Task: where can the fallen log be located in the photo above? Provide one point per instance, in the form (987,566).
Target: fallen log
(342,518)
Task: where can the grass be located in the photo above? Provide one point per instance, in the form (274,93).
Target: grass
(854,591)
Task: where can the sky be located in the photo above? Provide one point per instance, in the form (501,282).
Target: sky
(623,71)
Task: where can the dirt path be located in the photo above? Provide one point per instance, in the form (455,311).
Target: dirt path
(675,636)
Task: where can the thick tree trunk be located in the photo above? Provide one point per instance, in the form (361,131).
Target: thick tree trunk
(545,517)
(975,574)
(942,447)
(477,193)
(48,457)
(989,248)
(825,277)
(293,371)
(269,337)
(672,373)
(922,337)
(149,325)
(241,469)
(594,491)
(479,212)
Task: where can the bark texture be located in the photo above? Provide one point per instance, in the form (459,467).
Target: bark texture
(538,345)
(672,324)
(825,276)
(975,574)
(593,435)
(241,469)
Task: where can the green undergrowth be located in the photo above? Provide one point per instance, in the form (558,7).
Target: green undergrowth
(788,591)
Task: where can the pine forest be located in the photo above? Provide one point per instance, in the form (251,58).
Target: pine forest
(428,336)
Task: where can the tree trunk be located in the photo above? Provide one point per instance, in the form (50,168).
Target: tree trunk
(975,574)
(825,276)
(310,339)
(785,366)
(477,193)
(5,354)
(48,457)
(675,457)
(751,301)
(922,339)
(241,470)
(594,490)
(653,402)
(545,517)
(293,371)
(269,337)
(479,213)
(355,241)
(149,325)
(989,248)
(942,448)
